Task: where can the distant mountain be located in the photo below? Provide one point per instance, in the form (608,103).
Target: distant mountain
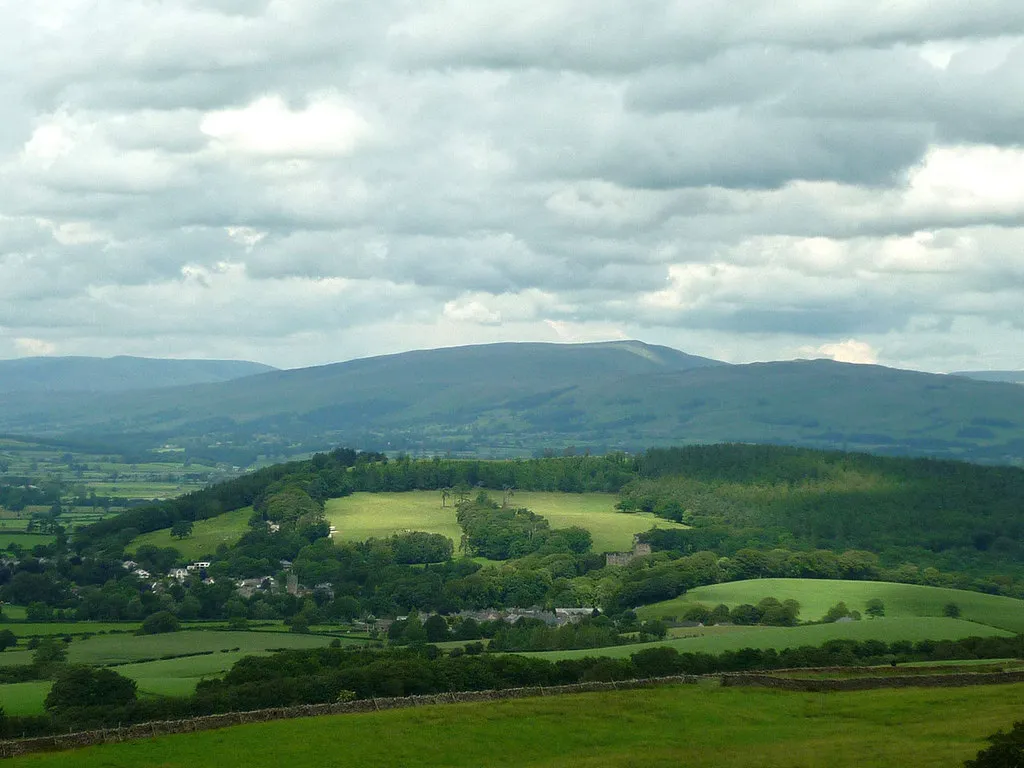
(116,374)
(1012,377)
(515,399)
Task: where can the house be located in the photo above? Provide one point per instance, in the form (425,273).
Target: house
(129,565)
(142,573)
(249,587)
(179,574)
(199,565)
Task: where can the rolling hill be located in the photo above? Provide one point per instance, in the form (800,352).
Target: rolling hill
(1011,377)
(515,399)
(115,374)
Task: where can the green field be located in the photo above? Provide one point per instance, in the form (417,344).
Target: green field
(23,540)
(178,677)
(691,726)
(29,629)
(24,698)
(816,596)
(364,515)
(206,536)
(115,649)
(718,639)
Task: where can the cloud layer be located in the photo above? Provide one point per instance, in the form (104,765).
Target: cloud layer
(302,182)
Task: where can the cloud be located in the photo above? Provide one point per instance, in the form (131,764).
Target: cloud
(302,182)
(34,347)
(846,351)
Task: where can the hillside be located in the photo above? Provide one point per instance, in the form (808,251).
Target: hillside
(516,399)
(1011,377)
(116,374)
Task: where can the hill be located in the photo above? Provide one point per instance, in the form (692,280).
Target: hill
(116,374)
(518,399)
(1012,377)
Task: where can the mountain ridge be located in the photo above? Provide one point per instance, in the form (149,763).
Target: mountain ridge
(520,398)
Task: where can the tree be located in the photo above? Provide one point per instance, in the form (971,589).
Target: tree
(437,629)
(951,610)
(160,622)
(7,640)
(875,608)
(81,686)
(181,529)
(1006,750)
(836,612)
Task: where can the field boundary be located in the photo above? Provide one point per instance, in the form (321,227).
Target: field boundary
(61,742)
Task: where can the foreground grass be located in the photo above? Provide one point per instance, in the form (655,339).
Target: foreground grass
(692,726)
(364,515)
(206,536)
(718,639)
(816,596)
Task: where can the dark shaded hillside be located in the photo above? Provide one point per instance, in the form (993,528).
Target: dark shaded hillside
(521,399)
(116,374)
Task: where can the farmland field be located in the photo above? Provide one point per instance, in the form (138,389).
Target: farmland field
(206,535)
(715,640)
(692,725)
(114,649)
(364,515)
(816,596)
(24,540)
(24,698)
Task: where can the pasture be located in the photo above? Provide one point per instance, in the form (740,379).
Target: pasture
(685,725)
(206,536)
(365,515)
(718,639)
(119,649)
(24,698)
(816,596)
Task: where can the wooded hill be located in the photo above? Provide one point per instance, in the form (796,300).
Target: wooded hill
(953,515)
(519,399)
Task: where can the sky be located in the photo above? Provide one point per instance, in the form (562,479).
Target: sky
(300,182)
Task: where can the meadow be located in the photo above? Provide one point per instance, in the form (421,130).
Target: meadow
(816,596)
(686,725)
(718,639)
(206,536)
(364,515)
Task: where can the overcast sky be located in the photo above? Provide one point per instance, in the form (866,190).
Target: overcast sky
(307,181)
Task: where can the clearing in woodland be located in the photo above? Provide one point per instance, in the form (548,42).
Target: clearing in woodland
(364,515)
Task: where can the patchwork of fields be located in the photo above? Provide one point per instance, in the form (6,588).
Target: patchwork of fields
(686,725)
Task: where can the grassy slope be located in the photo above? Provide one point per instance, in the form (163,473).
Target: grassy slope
(363,515)
(817,596)
(693,726)
(206,535)
(715,640)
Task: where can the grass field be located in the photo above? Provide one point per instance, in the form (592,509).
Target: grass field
(718,639)
(816,596)
(24,698)
(363,515)
(692,726)
(206,535)
(24,540)
(70,627)
(114,649)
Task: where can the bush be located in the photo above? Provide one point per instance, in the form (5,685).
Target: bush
(80,686)
(160,622)
(1006,750)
